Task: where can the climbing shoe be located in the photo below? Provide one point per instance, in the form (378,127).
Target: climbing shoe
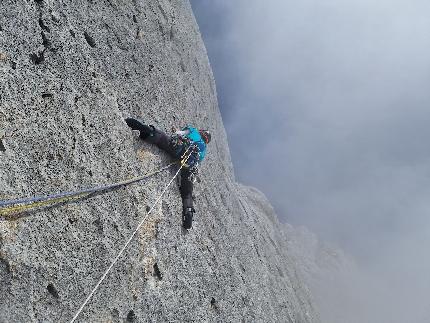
(187,218)
(145,131)
(133,123)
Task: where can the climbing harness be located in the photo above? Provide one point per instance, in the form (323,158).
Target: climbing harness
(178,142)
(184,159)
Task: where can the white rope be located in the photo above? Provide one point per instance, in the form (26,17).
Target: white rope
(128,241)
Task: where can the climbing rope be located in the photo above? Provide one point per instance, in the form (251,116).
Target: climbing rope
(183,163)
(7,208)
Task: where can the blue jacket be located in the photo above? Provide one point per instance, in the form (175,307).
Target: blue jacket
(195,138)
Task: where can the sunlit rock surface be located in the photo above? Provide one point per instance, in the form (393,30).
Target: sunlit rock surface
(70,72)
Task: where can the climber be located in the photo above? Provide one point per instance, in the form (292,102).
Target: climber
(188,140)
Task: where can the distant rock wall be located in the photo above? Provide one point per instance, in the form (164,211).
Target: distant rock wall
(70,72)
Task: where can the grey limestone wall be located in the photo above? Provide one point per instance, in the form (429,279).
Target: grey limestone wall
(70,72)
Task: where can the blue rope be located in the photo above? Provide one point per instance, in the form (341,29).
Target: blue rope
(30,200)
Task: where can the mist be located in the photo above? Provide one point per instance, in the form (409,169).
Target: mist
(326,104)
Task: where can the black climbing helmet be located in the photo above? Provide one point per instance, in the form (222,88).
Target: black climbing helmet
(206,135)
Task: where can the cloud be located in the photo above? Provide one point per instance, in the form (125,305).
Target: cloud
(326,104)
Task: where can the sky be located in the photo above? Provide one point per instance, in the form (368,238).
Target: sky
(327,108)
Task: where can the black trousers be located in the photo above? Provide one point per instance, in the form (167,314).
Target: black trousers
(162,141)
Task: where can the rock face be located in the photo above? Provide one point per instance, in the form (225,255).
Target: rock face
(70,72)
(338,287)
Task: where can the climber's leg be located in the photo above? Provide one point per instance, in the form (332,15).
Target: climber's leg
(153,135)
(187,198)
(136,124)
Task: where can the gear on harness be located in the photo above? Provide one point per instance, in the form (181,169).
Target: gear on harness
(193,160)
(180,144)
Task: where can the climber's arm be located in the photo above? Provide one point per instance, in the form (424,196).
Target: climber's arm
(182,133)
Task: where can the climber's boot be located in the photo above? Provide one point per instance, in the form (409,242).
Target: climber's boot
(145,130)
(187,217)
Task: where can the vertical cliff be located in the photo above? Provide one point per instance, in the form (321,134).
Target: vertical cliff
(70,72)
